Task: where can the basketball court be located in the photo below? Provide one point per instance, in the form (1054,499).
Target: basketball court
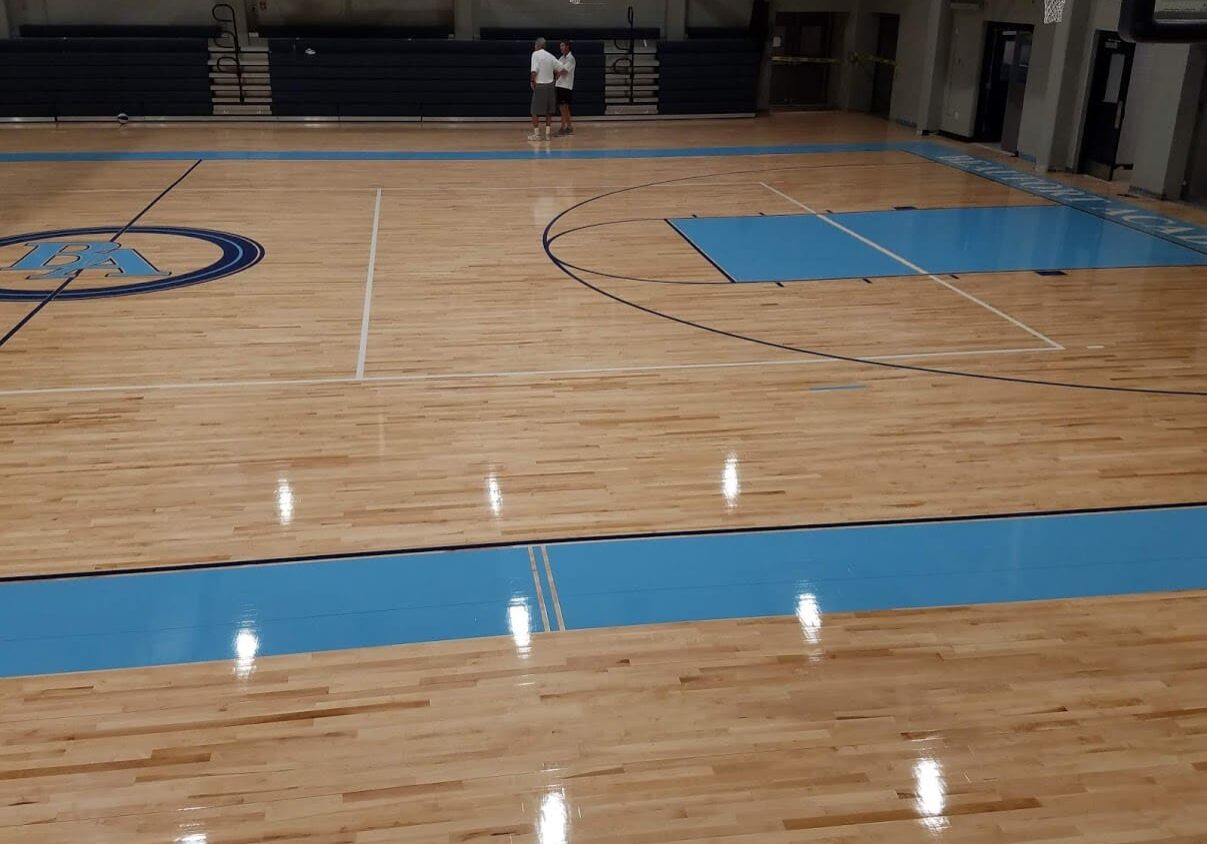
(798,479)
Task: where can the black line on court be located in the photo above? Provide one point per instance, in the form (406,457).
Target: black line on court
(565,232)
(904,367)
(642,280)
(698,249)
(74,275)
(603,537)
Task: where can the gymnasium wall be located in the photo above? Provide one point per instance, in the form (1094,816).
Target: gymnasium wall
(964,59)
(352,12)
(911,57)
(511,13)
(727,13)
(182,12)
(1168,109)
(855,31)
(555,13)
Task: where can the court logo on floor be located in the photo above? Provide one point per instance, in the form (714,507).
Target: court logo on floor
(114,261)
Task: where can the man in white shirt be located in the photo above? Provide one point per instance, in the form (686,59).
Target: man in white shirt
(542,73)
(565,88)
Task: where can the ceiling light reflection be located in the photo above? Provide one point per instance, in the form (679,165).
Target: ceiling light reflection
(519,622)
(284,502)
(494,495)
(247,645)
(731,484)
(931,793)
(553,824)
(808,613)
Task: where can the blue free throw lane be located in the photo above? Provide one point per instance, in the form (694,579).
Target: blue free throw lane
(879,568)
(944,240)
(1037,237)
(784,248)
(124,621)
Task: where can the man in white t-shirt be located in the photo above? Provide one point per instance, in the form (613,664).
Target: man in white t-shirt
(542,73)
(565,88)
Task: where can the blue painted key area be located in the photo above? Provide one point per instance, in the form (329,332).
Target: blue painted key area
(245,612)
(784,248)
(804,247)
(1024,237)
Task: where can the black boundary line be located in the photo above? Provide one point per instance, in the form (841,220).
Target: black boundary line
(604,537)
(644,280)
(701,251)
(73,276)
(625,277)
(1004,379)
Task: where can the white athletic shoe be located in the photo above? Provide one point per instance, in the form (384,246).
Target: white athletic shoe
(535,136)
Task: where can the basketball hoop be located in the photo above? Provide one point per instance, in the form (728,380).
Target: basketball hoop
(1054,11)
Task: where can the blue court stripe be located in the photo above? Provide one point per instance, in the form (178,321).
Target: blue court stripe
(1141,219)
(120,621)
(123,621)
(604,584)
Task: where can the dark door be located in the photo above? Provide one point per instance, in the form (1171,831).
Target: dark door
(1002,54)
(800,59)
(1104,114)
(1016,91)
(882,70)
(1195,188)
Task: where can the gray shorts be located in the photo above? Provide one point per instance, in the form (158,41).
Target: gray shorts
(544,100)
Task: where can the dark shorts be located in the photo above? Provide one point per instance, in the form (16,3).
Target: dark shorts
(543,101)
(565,96)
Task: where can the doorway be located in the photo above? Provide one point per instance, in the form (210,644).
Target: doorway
(882,71)
(801,55)
(1004,69)
(1108,97)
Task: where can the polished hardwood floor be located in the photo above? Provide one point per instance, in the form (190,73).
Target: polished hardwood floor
(1052,722)
(154,430)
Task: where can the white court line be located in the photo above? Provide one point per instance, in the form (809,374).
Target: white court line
(364,320)
(827,219)
(520,373)
(540,593)
(557,604)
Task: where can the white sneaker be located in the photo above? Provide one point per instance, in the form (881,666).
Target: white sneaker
(548,134)
(535,136)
